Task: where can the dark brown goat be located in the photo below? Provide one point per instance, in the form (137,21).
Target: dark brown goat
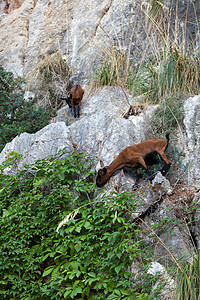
(74,99)
(142,154)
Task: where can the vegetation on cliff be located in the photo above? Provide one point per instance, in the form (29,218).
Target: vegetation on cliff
(90,257)
(16,114)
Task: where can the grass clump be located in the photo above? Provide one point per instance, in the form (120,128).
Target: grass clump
(50,80)
(114,67)
(164,75)
(167,116)
(169,67)
(188,280)
(170,73)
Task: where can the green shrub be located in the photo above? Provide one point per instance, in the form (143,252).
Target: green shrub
(16,114)
(90,257)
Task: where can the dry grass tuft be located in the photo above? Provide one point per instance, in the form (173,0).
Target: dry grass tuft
(50,79)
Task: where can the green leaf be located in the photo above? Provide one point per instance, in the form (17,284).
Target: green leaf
(88,225)
(92,274)
(61,175)
(47,271)
(78,247)
(67,293)
(118,269)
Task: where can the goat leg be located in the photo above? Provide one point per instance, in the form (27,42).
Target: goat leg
(144,166)
(135,186)
(167,165)
(74,108)
(148,173)
(78,111)
(165,169)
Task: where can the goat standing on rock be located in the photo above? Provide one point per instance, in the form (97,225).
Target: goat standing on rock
(74,99)
(142,154)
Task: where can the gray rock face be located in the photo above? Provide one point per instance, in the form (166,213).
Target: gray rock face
(192,139)
(102,131)
(84,31)
(47,141)
(163,183)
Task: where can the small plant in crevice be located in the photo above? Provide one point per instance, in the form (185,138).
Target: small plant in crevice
(114,67)
(168,116)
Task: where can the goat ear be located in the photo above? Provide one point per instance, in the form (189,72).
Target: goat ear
(101,163)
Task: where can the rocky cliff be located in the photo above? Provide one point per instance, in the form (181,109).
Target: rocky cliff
(82,31)
(102,133)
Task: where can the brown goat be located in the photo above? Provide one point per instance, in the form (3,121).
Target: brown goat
(142,154)
(74,99)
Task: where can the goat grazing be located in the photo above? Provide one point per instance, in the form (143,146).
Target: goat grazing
(74,99)
(142,154)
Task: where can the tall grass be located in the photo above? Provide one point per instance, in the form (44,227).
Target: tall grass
(172,66)
(51,80)
(188,280)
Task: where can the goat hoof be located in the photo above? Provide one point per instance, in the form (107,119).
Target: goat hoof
(135,186)
(163,172)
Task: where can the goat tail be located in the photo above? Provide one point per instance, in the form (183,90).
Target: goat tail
(167,137)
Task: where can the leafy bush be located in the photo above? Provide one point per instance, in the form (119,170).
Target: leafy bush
(16,114)
(90,257)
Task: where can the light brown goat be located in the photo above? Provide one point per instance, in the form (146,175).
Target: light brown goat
(142,154)
(74,99)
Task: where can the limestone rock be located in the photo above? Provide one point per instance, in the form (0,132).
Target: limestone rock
(175,240)
(157,269)
(161,182)
(47,141)
(84,31)
(192,139)
(14,35)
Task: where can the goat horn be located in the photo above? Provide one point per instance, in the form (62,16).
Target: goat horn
(101,163)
